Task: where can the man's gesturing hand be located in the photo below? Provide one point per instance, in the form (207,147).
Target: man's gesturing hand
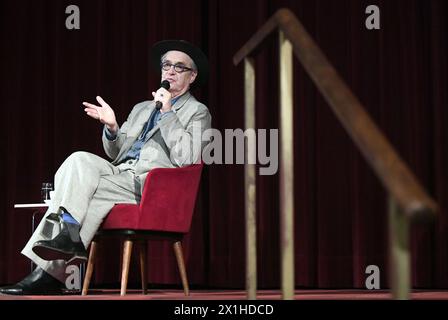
(104,113)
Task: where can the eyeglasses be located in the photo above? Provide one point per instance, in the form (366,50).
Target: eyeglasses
(179,68)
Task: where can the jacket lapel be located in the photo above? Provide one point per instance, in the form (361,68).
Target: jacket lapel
(144,117)
(139,122)
(179,104)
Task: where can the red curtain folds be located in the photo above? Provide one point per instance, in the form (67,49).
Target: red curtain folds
(398,72)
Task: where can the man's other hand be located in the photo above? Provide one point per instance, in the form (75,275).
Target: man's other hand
(104,113)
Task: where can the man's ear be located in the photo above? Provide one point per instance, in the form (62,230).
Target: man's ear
(193,77)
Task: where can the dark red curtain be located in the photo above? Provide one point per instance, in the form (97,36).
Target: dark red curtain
(399,73)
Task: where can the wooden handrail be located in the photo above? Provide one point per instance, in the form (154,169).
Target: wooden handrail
(395,175)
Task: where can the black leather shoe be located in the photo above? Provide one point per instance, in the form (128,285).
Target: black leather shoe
(37,282)
(67,245)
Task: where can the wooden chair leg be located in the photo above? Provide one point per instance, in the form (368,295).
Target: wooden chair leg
(90,265)
(181,265)
(143,260)
(127,251)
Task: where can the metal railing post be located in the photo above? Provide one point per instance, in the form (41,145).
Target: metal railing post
(399,255)
(250,184)
(286,168)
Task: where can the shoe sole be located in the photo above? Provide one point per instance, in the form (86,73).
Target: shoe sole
(32,293)
(50,254)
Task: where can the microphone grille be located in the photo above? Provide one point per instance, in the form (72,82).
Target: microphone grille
(165,84)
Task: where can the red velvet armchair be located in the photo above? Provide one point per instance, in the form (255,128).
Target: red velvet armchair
(165,212)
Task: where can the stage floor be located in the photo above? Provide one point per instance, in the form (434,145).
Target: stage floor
(154,294)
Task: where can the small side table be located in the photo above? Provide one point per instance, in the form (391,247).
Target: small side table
(37,208)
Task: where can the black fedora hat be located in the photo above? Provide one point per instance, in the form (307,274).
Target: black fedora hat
(196,54)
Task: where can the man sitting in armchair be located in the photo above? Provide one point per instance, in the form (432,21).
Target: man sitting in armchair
(165,132)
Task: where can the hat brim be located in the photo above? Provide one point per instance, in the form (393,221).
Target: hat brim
(196,54)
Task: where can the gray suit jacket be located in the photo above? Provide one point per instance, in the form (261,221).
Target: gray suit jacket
(174,142)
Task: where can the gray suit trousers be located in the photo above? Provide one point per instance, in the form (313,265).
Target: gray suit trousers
(87,186)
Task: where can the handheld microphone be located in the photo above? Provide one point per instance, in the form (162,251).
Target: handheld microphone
(166,85)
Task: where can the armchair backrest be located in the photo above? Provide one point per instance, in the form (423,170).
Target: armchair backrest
(168,199)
